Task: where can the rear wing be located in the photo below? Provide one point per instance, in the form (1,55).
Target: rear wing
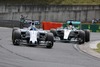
(76,23)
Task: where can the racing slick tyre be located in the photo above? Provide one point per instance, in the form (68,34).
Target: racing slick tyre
(81,37)
(54,32)
(28,40)
(87,35)
(13,31)
(16,36)
(61,38)
(15,28)
(49,40)
(61,34)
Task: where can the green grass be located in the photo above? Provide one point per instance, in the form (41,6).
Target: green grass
(98,48)
(52,2)
(81,2)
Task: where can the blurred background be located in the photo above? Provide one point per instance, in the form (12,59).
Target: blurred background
(49,10)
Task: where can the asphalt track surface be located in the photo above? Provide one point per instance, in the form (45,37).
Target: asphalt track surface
(61,55)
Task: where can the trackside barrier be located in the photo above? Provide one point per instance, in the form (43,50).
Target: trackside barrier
(9,23)
(95,28)
(85,26)
(49,25)
(56,25)
(91,27)
(46,25)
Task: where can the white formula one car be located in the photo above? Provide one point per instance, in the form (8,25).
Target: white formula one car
(32,36)
(80,36)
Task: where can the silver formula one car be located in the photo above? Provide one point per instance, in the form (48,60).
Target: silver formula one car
(69,33)
(32,36)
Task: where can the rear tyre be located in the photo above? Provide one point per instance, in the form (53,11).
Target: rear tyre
(61,37)
(54,32)
(28,40)
(49,40)
(87,35)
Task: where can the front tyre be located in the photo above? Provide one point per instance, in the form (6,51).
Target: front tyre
(54,32)
(49,40)
(16,36)
(81,37)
